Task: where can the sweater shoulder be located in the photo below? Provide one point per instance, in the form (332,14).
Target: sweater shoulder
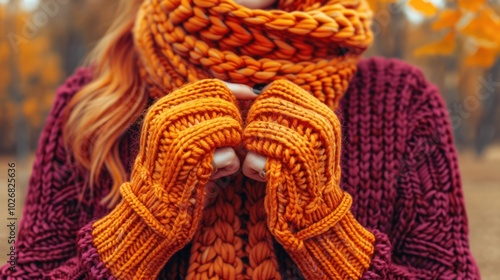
(390,73)
(73,84)
(393,100)
(393,88)
(64,93)
(50,143)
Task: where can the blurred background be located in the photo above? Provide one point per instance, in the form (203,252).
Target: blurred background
(456,43)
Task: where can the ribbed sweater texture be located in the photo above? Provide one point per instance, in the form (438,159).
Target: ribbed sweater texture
(398,163)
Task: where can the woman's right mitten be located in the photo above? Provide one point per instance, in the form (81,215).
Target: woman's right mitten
(163,202)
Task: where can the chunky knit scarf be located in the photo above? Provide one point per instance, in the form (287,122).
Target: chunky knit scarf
(313,43)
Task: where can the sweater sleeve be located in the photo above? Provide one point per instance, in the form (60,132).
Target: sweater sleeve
(430,234)
(46,242)
(429,238)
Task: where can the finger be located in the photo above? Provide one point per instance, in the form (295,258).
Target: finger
(226,162)
(241,91)
(255,4)
(253,165)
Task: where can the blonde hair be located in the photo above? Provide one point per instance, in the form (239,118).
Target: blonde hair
(102,111)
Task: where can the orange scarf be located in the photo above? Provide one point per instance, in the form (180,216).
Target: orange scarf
(315,44)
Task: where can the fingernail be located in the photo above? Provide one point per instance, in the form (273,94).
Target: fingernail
(257,89)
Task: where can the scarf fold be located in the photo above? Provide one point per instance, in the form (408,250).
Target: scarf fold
(314,44)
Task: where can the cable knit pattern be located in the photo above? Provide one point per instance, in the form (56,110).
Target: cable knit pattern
(398,164)
(46,246)
(307,211)
(163,202)
(315,44)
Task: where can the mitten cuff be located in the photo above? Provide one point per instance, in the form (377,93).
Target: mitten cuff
(335,247)
(130,241)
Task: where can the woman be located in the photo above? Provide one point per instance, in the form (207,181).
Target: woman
(150,168)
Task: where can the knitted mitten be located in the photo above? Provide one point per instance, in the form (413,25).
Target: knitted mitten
(163,202)
(308,213)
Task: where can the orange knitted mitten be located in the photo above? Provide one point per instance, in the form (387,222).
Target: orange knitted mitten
(308,213)
(163,202)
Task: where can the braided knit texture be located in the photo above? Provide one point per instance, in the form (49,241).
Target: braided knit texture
(163,202)
(306,208)
(315,44)
(398,164)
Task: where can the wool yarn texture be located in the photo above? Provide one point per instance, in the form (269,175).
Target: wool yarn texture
(163,202)
(315,44)
(306,208)
(398,163)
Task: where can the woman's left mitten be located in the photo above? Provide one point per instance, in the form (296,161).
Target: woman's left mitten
(307,211)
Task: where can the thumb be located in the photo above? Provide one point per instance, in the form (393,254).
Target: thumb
(254,166)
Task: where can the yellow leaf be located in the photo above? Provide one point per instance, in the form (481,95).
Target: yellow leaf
(484,27)
(447,18)
(444,46)
(471,5)
(483,57)
(425,7)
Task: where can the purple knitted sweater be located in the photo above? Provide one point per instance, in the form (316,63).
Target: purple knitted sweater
(398,163)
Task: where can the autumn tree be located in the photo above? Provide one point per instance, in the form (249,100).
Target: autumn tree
(27,82)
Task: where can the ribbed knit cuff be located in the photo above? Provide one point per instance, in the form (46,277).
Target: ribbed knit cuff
(130,241)
(336,247)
